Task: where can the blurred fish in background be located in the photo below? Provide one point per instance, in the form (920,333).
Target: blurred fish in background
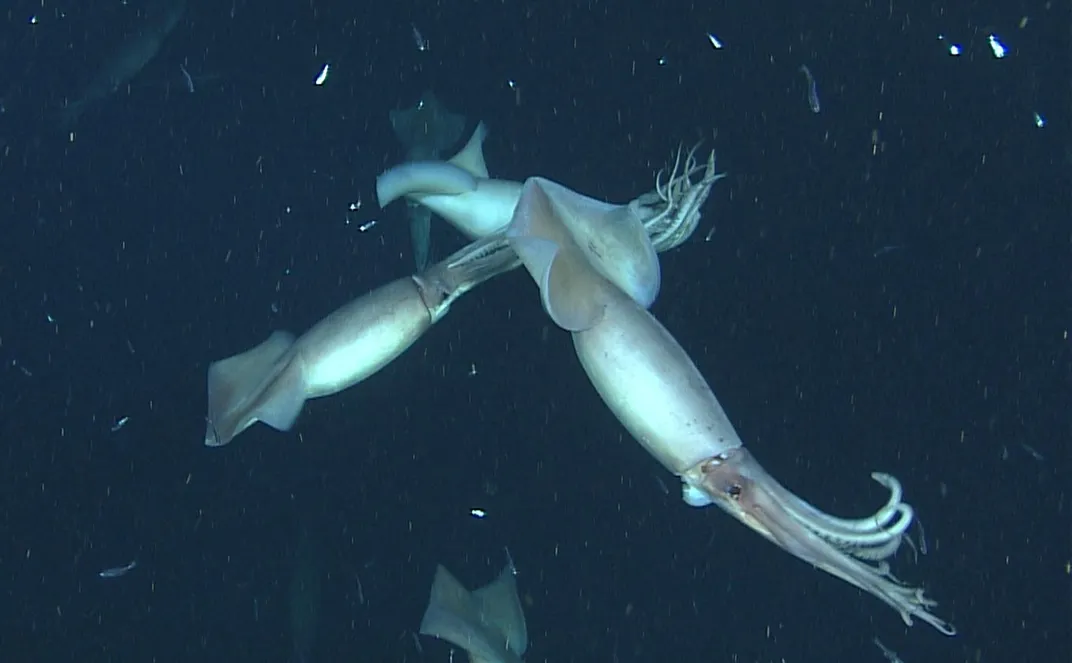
(425,130)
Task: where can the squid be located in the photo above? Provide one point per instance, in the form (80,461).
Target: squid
(488,623)
(271,382)
(461,191)
(595,279)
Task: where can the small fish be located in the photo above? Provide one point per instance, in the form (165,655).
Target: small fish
(813,92)
(119,571)
(119,424)
(890,655)
(889,248)
(418,39)
(1033,451)
(186,77)
(360,590)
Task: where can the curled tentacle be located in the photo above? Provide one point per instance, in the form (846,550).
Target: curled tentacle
(673,208)
(842,529)
(855,550)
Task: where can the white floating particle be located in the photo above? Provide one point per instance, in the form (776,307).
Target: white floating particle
(714,40)
(953,49)
(996,46)
(323,75)
(478,513)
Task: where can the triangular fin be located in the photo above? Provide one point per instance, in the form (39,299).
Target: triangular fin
(236,385)
(283,400)
(613,239)
(471,157)
(570,290)
(453,615)
(556,270)
(500,606)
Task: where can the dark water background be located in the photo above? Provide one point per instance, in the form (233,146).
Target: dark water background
(887,288)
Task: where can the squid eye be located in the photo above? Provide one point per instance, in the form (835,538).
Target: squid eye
(734,491)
